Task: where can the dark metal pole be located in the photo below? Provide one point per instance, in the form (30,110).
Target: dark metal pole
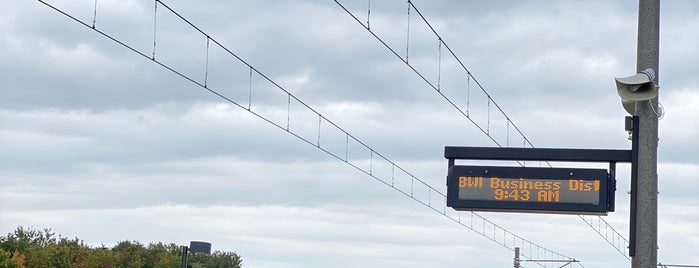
(634,187)
(647,185)
(517,258)
(185,250)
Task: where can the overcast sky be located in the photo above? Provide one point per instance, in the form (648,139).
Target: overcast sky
(100,143)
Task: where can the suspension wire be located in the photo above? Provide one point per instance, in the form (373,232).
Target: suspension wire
(155,13)
(468,95)
(440,210)
(488,127)
(439,66)
(508,133)
(347,150)
(94,16)
(368,15)
(206,72)
(288,112)
(463,66)
(615,235)
(482,129)
(526,140)
(371,162)
(418,73)
(407,41)
(320,117)
(250,91)
(470,76)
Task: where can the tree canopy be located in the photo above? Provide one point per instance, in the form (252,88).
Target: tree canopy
(33,248)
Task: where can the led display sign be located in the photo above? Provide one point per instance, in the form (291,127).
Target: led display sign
(523,189)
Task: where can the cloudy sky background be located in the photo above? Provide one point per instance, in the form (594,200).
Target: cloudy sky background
(100,143)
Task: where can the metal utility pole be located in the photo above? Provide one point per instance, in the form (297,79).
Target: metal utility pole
(185,251)
(646,227)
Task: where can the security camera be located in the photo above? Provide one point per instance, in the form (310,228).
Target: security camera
(638,87)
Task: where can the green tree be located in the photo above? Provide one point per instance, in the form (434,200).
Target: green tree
(6,261)
(159,255)
(218,259)
(33,248)
(23,239)
(59,256)
(101,257)
(63,253)
(130,254)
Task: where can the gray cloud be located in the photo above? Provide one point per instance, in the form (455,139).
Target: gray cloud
(94,133)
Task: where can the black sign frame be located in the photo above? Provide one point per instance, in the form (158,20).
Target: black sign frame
(611,156)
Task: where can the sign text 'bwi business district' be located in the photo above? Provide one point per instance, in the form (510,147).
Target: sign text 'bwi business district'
(528,189)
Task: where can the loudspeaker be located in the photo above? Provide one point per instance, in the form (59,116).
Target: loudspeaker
(638,87)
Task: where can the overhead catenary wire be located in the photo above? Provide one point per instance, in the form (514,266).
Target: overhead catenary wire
(394,167)
(486,130)
(431,84)
(428,203)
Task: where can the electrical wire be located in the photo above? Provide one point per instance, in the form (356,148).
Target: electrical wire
(486,224)
(486,130)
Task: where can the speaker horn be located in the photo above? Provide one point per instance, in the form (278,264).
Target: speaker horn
(638,87)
